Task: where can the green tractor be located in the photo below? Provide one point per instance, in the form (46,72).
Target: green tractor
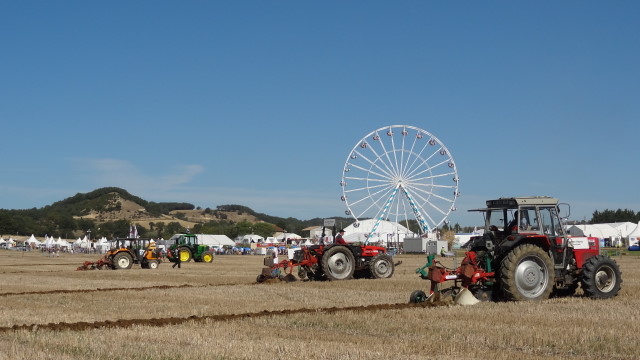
(187,248)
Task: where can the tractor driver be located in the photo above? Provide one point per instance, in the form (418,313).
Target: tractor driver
(513,225)
(339,240)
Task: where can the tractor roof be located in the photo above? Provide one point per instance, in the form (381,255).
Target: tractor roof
(515,202)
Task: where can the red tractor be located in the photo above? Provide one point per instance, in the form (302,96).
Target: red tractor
(524,254)
(331,262)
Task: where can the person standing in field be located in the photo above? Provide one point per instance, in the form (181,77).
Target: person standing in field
(176,256)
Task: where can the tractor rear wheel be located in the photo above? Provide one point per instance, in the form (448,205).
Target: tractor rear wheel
(338,263)
(601,277)
(526,274)
(381,266)
(206,257)
(122,260)
(185,254)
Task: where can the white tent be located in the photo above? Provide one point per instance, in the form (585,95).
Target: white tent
(288,236)
(634,236)
(103,244)
(385,232)
(32,240)
(216,240)
(611,231)
(251,238)
(62,243)
(208,239)
(81,243)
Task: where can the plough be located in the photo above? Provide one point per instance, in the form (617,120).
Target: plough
(96,265)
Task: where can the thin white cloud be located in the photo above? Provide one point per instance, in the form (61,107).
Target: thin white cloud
(124,174)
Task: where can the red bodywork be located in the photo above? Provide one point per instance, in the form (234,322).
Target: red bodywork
(584,248)
(311,256)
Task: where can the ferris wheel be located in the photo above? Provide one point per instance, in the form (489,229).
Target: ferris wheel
(400,173)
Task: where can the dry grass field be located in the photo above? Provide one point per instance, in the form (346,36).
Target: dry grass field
(217,311)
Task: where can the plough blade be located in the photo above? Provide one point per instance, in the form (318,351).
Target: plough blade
(465,297)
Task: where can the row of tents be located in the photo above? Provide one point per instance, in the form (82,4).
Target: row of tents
(50,241)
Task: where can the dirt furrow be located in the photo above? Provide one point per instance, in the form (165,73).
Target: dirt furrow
(110,289)
(125,323)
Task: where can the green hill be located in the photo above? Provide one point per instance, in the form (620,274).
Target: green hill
(110,211)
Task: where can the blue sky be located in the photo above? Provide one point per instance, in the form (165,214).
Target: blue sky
(259,103)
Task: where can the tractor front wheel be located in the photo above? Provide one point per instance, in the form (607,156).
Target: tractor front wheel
(601,277)
(206,257)
(338,263)
(153,264)
(381,266)
(526,274)
(122,260)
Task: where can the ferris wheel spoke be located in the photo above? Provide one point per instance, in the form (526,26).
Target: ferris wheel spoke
(402,153)
(378,156)
(421,165)
(376,203)
(386,154)
(382,212)
(412,159)
(393,151)
(373,196)
(430,203)
(422,207)
(385,176)
(388,172)
(368,188)
(365,179)
(431,194)
(431,177)
(429,169)
(443,186)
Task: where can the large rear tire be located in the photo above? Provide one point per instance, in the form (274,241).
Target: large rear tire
(338,263)
(122,260)
(381,266)
(601,277)
(526,273)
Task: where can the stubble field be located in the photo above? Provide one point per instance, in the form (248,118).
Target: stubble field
(217,311)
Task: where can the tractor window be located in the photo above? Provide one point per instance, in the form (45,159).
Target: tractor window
(496,217)
(528,219)
(549,223)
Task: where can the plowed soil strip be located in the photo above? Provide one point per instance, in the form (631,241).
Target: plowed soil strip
(110,289)
(126,323)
